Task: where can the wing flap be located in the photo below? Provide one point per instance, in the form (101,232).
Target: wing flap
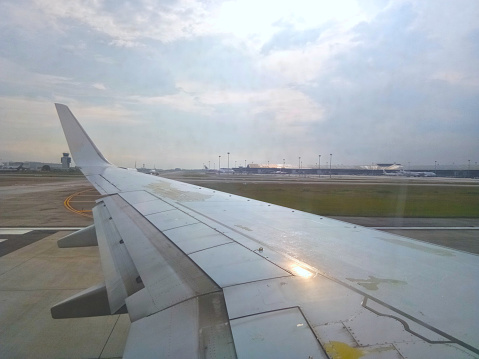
(284,334)
(85,237)
(89,303)
(196,328)
(121,276)
(167,273)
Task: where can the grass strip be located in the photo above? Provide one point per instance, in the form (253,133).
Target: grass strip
(374,200)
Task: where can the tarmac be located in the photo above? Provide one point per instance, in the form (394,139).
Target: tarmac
(35,274)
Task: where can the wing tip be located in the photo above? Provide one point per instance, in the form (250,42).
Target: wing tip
(83,149)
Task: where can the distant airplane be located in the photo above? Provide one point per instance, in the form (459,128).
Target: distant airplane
(221,170)
(207,274)
(425,174)
(419,174)
(409,174)
(154,172)
(4,168)
(209,170)
(394,174)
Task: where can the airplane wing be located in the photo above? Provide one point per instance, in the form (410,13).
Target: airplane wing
(208,274)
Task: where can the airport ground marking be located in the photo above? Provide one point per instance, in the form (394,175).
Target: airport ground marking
(83,212)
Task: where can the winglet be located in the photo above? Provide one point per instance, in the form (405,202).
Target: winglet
(82,148)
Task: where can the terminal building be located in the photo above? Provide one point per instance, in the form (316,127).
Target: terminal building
(378,169)
(63,165)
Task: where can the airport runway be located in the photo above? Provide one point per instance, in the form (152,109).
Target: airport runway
(35,274)
(314,179)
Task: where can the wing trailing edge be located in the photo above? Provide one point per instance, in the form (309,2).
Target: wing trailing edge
(85,237)
(91,302)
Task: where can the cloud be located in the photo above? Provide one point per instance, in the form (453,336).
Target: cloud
(14,74)
(269,17)
(285,106)
(291,38)
(395,85)
(99,86)
(300,65)
(180,101)
(127,24)
(366,81)
(456,78)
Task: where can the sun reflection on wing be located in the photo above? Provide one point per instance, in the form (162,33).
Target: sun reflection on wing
(297,270)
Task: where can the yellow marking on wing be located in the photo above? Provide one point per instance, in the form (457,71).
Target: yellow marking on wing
(339,350)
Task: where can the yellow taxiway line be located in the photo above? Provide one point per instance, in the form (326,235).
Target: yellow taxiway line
(83,212)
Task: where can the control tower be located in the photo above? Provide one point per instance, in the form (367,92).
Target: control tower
(66,160)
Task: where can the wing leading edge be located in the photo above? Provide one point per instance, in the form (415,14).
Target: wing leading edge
(208,274)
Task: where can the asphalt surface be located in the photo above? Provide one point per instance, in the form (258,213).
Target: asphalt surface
(11,242)
(31,201)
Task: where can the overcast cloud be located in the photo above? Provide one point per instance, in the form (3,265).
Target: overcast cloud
(178,83)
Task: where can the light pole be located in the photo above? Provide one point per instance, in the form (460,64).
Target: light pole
(244,163)
(219,163)
(284,163)
(319,166)
(469,168)
(330,160)
(299,164)
(435,166)
(228,160)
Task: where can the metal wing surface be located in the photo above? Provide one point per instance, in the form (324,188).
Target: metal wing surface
(213,275)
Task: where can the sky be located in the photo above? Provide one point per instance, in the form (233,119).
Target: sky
(178,83)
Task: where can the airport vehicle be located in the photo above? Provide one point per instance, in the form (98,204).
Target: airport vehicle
(207,274)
